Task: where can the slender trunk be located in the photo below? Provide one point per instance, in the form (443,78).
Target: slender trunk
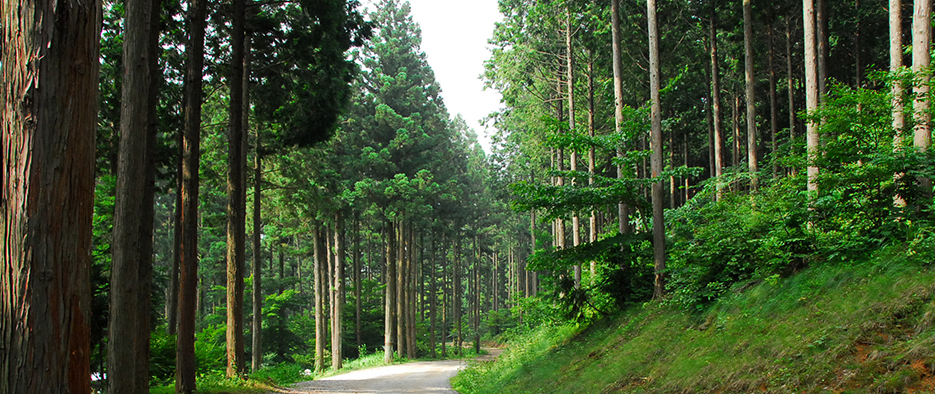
(257,348)
(592,224)
(896,63)
(570,68)
(172,298)
(921,59)
(456,291)
(750,90)
(401,281)
(131,268)
(188,278)
(389,335)
(811,94)
(735,119)
(858,67)
(337,330)
(433,296)
(659,247)
(236,199)
(790,85)
(357,310)
(320,280)
(716,102)
(823,47)
(49,122)
(773,101)
(623,211)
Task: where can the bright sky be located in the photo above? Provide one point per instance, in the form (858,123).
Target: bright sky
(454,37)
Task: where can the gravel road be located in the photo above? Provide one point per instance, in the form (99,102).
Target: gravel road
(427,377)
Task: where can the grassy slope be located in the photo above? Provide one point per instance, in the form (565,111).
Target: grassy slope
(867,328)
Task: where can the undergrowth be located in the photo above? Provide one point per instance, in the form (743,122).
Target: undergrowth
(845,328)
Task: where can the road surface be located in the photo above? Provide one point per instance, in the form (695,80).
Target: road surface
(426,377)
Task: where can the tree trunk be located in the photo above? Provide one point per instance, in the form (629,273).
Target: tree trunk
(389,336)
(811,94)
(592,224)
(236,199)
(791,88)
(131,267)
(716,102)
(257,348)
(570,69)
(822,43)
(773,101)
(659,247)
(337,330)
(188,279)
(357,309)
(320,281)
(411,291)
(456,291)
(401,285)
(49,124)
(433,298)
(921,59)
(172,296)
(896,63)
(735,120)
(623,211)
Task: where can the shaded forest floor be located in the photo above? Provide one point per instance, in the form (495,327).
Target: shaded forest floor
(865,328)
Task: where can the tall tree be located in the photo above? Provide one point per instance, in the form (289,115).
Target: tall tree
(188,272)
(131,264)
(49,119)
(750,86)
(896,63)
(236,198)
(623,213)
(716,100)
(921,60)
(257,348)
(337,329)
(658,190)
(811,94)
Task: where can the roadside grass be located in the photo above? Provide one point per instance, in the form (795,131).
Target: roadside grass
(866,327)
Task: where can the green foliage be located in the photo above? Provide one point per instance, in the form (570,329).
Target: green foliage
(860,327)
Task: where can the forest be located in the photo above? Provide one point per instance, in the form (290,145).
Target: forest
(223,195)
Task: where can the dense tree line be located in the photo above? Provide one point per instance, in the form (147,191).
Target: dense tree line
(372,207)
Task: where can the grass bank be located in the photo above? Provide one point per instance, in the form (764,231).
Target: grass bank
(869,327)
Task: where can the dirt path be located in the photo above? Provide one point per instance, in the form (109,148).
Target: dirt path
(427,377)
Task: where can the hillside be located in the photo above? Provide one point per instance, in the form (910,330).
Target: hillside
(845,329)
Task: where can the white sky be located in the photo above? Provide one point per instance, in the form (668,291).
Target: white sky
(454,37)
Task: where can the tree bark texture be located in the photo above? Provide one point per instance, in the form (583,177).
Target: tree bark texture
(623,214)
(921,60)
(811,94)
(236,199)
(320,280)
(49,124)
(389,320)
(131,267)
(896,63)
(337,329)
(750,90)
(659,238)
(257,348)
(716,102)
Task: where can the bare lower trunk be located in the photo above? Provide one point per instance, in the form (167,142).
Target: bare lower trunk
(320,284)
(389,336)
(188,278)
(716,103)
(921,59)
(131,268)
(659,247)
(236,199)
(750,90)
(811,94)
(48,129)
(337,330)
